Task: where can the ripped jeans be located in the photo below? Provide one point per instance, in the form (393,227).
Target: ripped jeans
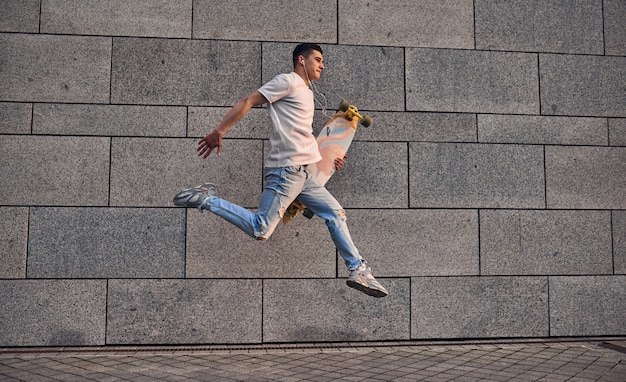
(282,186)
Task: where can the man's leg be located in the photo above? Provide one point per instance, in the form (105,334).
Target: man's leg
(282,185)
(324,205)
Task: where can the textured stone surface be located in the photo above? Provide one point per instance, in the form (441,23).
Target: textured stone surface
(156,18)
(276,20)
(417,242)
(614,27)
(542,130)
(558,26)
(545,242)
(218,249)
(184,72)
(479,307)
(432,23)
(586,177)
(498,141)
(370,77)
(375,176)
(328,310)
(587,305)
(106,243)
(476,176)
(77,69)
(619,241)
(416,127)
(255,124)
(184,311)
(471,81)
(52,312)
(20,16)
(109,120)
(15,118)
(70,171)
(582,85)
(150,171)
(13,241)
(617,131)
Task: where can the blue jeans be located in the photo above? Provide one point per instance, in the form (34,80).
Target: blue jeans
(282,186)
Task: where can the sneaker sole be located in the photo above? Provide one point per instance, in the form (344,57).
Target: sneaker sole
(182,200)
(368,291)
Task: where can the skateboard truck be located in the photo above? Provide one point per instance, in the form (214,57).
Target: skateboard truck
(351,112)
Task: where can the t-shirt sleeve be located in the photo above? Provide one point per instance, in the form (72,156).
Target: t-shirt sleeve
(275,89)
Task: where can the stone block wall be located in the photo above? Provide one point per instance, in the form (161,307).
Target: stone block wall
(489,196)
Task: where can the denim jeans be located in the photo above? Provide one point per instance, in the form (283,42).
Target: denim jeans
(282,186)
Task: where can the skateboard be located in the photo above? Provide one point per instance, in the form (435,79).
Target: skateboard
(333,141)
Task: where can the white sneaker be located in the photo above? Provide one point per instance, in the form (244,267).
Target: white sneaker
(363,280)
(195,197)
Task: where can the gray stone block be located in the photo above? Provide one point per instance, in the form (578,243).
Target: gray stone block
(44,68)
(416,127)
(256,124)
(432,23)
(582,85)
(476,176)
(479,307)
(184,72)
(328,310)
(150,171)
(471,81)
(375,176)
(614,27)
(619,241)
(52,312)
(542,130)
(370,77)
(399,243)
(289,20)
(20,16)
(587,305)
(545,242)
(15,118)
(109,120)
(156,18)
(586,177)
(13,241)
(559,26)
(218,249)
(184,311)
(68,171)
(617,131)
(106,243)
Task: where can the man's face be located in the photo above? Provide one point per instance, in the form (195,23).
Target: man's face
(314,65)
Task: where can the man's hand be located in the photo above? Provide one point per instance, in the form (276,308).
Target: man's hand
(340,162)
(207,144)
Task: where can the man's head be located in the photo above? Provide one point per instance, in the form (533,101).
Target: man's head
(305,51)
(308,61)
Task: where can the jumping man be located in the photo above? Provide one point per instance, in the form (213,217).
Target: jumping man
(290,103)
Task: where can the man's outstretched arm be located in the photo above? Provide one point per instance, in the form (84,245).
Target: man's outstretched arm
(213,139)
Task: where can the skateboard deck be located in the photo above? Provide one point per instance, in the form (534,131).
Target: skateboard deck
(333,141)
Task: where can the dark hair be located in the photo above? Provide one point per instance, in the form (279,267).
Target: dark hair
(304,50)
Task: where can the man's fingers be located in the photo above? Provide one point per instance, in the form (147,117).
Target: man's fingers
(205,148)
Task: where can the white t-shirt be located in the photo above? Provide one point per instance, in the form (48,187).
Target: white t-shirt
(291,108)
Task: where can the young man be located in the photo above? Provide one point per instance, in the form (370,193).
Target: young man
(292,147)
